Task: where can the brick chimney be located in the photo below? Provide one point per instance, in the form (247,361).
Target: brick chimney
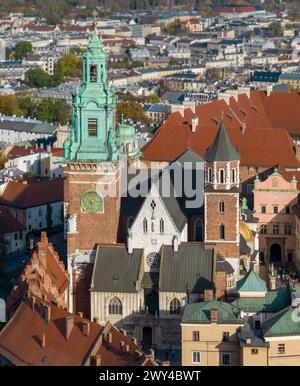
(96,320)
(95,360)
(208,295)
(152,354)
(43,341)
(69,324)
(214,316)
(122,346)
(195,122)
(86,328)
(109,338)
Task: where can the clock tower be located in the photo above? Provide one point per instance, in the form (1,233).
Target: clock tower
(91,154)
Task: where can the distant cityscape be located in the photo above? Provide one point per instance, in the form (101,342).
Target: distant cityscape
(149,184)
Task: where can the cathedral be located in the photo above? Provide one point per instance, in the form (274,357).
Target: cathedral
(138,259)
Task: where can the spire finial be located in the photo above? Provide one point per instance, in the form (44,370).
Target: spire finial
(94,21)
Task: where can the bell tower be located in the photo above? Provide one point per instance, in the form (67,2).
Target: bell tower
(221,197)
(91,172)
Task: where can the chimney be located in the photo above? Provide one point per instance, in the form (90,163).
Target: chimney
(86,328)
(109,338)
(127,348)
(43,341)
(32,302)
(80,314)
(96,320)
(137,354)
(214,316)
(194,124)
(134,340)
(175,243)
(208,295)
(122,346)
(152,354)
(95,360)
(243,127)
(47,313)
(69,324)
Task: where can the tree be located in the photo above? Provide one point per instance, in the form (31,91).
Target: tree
(153,98)
(22,49)
(275,29)
(70,65)
(37,77)
(131,110)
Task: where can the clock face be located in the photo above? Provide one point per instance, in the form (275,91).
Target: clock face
(153,260)
(91,202)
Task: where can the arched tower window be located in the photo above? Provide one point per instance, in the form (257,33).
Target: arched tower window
(209,175)
(93,73)
(175,307)
(221,176)
(162,226)
(233,176)
(198,230)
(115,306)
(221,206)
(145,225)
(222,232)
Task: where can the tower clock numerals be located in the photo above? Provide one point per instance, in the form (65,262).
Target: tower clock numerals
(91,202)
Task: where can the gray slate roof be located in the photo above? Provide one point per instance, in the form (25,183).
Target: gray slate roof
(222,148)
(115,270)
(191,267)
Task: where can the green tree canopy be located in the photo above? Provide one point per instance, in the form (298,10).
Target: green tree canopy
(36,77)
(131,110)
(22,49)
(70,65)
(275,29)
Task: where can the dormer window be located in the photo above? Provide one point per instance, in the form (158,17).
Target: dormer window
(93,73)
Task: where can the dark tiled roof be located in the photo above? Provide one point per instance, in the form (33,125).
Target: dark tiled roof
(8,223)
(223,266)
(222,148)
(191,267)
(115,270)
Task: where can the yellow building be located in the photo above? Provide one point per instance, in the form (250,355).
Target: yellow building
(260,328)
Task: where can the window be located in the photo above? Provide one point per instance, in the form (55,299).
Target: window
(263,229)
(162,226)
(210,175)
(249,189)
(93,73)
(233,175)
(287,210)
(225,336)
(196,356)
(196,336)
(40,212)
(254,351)
(263,209)
(287,229)
(29,213)
(221,206)
(275,229)
(257,324)
(145,225)
(175,307)
(222,232)
(221,176)
(16,236)
(115,306)
(225,359)
(275,209)
(281,348)
(92,127)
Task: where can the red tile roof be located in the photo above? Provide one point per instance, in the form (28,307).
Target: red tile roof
(260,143)
(21,340)
(8,223)
(21,195)
(21,151)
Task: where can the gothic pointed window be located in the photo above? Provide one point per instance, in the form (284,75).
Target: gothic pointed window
(162,226)
(115,306)
(222,232)
(221,206)
(175,307)
(198,230)
(92,127)
(93,73)
(145,225)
